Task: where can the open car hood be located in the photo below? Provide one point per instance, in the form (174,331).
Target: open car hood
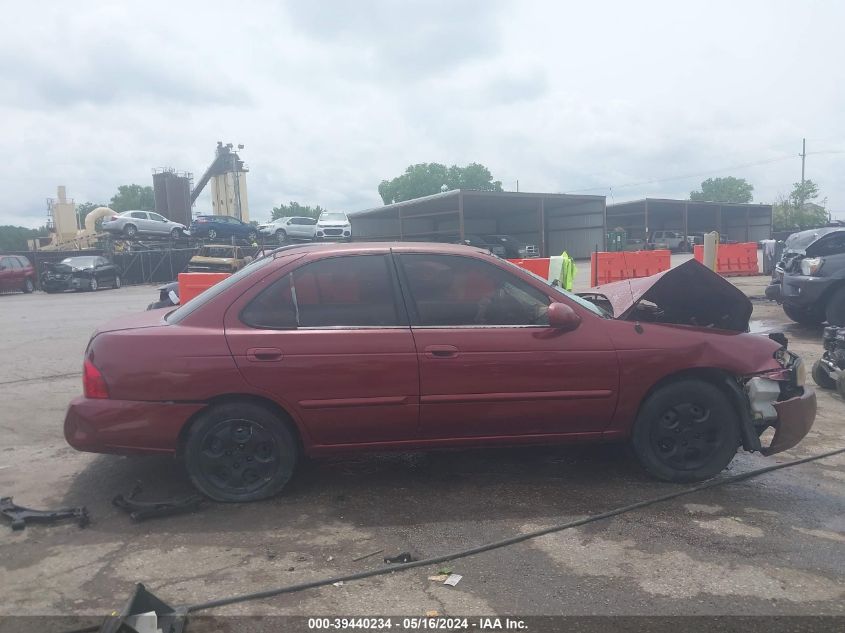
(803,241)
(689,294)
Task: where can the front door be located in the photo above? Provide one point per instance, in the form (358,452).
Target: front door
(330,341)
(490,366)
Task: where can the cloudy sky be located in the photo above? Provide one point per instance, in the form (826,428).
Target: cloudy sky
(624,99)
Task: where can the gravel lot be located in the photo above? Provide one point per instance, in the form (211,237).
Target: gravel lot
(771,545)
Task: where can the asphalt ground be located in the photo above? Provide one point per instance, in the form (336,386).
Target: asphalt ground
(774,545)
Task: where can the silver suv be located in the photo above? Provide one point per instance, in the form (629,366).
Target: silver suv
(132,223)
(297,228)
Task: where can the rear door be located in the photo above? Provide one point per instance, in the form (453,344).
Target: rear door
(489,364)
(7,274)
(331,342)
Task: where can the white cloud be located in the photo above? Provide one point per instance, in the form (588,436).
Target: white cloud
(331,97)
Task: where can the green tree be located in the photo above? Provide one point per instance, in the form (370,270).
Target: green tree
(425,179)
(796,211)
(13,238)
(728,189)
(133,197)
(294,209)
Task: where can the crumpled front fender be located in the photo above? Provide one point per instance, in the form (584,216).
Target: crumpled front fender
(795,419)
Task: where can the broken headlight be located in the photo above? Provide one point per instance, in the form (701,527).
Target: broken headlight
(794,366)
(811,265)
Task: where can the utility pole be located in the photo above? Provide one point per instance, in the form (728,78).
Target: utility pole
(803,155)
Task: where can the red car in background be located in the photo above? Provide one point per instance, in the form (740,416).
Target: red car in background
(327,348)
(16,273)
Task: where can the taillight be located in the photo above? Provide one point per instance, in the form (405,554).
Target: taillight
(93,381)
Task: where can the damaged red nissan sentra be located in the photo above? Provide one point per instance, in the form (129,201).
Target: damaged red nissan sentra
(320,349)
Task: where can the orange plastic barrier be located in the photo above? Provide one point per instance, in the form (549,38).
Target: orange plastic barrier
(537,265)
(192,284)
(733,260)
(608,267)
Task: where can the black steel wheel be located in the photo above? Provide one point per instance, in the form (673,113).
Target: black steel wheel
(821,377)
(240,452)
(686,431)
(130,230)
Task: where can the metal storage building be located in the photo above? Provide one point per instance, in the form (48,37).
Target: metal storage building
(551,221)
(737,222)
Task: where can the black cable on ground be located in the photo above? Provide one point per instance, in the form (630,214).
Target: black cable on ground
(269,593)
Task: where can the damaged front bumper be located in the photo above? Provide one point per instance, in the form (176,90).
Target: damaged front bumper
(779,399)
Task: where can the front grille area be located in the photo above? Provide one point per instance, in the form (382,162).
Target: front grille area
(333,231)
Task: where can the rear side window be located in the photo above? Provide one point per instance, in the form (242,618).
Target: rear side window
(139,215)
(449,290)
(352,291)
(24,261)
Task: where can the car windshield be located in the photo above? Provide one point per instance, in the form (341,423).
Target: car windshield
(216,251)
(79,262)
(333,216)
(584,303)
(204,297)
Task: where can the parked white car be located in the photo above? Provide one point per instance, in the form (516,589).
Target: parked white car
(334,225)
(673,240)
(295,228)
(132,223)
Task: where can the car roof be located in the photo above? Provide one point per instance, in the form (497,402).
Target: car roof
(381,247)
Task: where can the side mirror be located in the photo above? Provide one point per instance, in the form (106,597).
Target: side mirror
(562,317)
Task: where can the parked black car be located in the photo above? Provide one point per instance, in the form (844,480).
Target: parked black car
(215,227)
(514,249)
(84,272)
(809,280)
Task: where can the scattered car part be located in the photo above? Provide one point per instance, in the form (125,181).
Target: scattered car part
(20,516)
(143,604)
(452,580)
(142,510)
(829,370)
(168,296)
(404,557)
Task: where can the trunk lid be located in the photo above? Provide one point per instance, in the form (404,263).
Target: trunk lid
(135,321)
(689,294)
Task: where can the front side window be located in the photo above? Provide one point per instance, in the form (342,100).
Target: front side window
(157,217)
(352,291)
(449,290)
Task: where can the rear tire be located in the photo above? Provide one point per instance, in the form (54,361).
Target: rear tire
(252,236)
(686,431)
(821,377)
(803,316)
(117,282)
(212,234)
(835,311)
(28,286)
(240,452)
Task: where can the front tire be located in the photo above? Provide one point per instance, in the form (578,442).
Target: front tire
(93,285)
(212,234)
(821,377)
(281,236)
(252,236)
(117,282)
(175,234)
(803,316)
(835,311)
(686,431)
(28,286)
(240,452)
(130,231)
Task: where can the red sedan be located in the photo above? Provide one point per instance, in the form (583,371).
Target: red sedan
(324,348)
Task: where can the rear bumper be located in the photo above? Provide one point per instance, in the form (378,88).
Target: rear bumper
(795,419)
(125,426)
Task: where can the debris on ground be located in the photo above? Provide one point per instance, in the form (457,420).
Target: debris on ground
(142,510)
(432,613)
(145,612)
(20,515)
(339,583)
(404,557)
(438,577)
(453,580)
(378,551)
